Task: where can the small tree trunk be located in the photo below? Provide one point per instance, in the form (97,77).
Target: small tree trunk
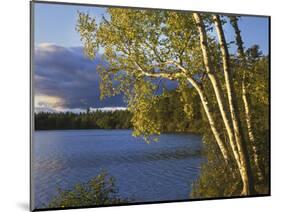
(250,131)
(245,168)
(239,43)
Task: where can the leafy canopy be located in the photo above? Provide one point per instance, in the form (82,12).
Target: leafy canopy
(140,45)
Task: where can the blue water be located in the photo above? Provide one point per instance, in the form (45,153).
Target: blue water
(159,171)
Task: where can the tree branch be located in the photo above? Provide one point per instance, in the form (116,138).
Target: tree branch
(182,72)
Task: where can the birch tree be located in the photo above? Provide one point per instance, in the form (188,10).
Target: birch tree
(143,45)
(244,88)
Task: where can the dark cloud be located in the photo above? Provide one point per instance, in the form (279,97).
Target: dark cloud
(69,75)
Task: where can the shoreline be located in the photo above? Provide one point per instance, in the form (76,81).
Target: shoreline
(168,132)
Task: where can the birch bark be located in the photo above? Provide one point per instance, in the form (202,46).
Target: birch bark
(251,137)
(215,84)
(245,168)
(209,115)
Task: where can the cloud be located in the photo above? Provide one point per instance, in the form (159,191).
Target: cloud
(65,78)
(48,101)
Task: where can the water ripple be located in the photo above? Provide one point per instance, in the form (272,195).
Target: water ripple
(155,172)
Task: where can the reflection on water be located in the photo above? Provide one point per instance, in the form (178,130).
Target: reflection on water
(158,171)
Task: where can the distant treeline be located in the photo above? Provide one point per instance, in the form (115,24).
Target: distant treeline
(172,113)
(91,120)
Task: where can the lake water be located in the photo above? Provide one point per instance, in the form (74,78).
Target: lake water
(159,171)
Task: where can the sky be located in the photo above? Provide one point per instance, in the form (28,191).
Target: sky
(65,80)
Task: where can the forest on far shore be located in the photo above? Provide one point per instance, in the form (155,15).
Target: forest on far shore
(85,120)
(171,116)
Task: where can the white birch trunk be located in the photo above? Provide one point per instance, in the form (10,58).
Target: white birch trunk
(251,137)
(215,84)
(210,118)
(250,132)
(245,168)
